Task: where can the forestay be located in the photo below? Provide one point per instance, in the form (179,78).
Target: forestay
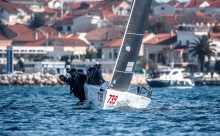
(131,44)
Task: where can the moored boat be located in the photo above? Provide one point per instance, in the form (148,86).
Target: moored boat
(171,78)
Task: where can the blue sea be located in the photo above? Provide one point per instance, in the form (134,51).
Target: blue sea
(51,111)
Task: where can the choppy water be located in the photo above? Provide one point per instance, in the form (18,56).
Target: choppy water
(51,111)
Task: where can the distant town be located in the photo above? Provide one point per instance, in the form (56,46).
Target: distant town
(45,35)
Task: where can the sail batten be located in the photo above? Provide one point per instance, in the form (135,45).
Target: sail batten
(128,53)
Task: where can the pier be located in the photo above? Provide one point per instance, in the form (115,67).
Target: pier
(52,80)
(215,81)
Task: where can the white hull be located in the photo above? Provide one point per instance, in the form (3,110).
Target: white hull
(111,99)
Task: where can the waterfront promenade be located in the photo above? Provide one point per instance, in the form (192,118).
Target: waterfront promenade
(52,80)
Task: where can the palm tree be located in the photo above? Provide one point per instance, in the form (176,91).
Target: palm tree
(202,48)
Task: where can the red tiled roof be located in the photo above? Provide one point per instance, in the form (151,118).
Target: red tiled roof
(19,29)
(66,20)
(69,35)
(179,48)
(159,38)
(204,16)
(77,5)
(194,3)
(172,17)
(71,42)
(180,5)
(49,10)
(106,5)
(13,7)
(215,36)
(3,38)
(214,4)
(114,43)
(48,30)
(29,36)
(173,2)
(35,43)
(108,14)
(102,34)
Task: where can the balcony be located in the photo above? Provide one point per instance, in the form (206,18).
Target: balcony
(182,60)
(21,14)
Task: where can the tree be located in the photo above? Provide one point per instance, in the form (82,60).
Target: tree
(37,21)
(164,52)
(157,25)
(202,48)
(91,53)
(2,29)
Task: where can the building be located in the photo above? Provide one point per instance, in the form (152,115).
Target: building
(13,13)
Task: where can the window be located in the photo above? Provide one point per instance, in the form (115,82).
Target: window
(162,8)
(180,42)
(177,11)
(31,50)
(59,28)
(176,55)
(115,53)
(14,19)
(110,55)
(175,72)
(218,54)
(128,11)
(187,42)
(23,50)
(2,10)
(68,28)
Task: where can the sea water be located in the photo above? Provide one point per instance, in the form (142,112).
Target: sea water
(52,111)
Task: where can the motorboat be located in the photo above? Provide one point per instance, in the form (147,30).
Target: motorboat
(171,78)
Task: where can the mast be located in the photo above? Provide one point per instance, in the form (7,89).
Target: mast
(128,53)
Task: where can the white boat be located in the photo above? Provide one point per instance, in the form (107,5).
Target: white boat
(171,78)
(116,94)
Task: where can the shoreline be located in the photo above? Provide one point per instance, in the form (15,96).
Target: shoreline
(52,80)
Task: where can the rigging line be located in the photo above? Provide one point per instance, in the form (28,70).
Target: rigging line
(132,7)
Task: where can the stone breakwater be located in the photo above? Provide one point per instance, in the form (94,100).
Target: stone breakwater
(51,80)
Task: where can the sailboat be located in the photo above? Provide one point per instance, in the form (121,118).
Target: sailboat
(115,94)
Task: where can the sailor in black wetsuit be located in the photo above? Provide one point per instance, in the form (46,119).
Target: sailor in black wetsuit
(75,81)
(81,82)
(91,72)
(98,78)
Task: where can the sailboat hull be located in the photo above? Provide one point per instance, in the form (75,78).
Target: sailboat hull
(97,97)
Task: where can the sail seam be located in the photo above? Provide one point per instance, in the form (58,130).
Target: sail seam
(134,34)
(123,71)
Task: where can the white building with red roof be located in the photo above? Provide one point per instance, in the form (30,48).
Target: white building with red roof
(111,49)
(13,13)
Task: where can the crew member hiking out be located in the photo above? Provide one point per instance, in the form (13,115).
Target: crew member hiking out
(91,74)
(72,79)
